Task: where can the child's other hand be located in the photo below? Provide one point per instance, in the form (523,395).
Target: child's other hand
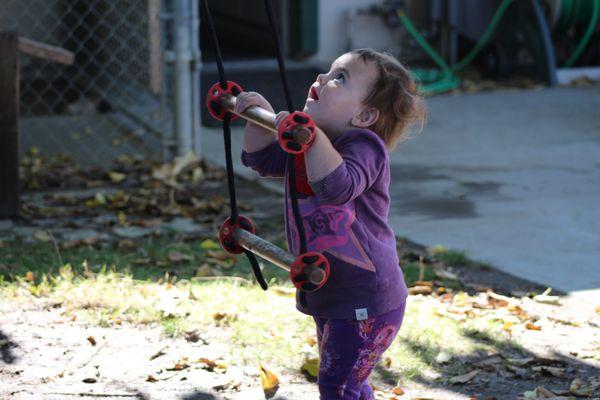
(279,117)
(249,99)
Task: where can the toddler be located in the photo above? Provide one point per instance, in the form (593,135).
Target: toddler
(361,107)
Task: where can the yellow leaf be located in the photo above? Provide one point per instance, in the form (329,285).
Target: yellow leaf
(29,276)
(116,177)
(122,218)
(311,341)
(311,365)
(508,326)
(398,391)
(99,198)
(42,236)
(209,244)
(533,327)
(269,381)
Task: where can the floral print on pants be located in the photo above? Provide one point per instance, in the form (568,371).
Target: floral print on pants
(349,350)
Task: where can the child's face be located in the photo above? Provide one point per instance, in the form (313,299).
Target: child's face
(335,100)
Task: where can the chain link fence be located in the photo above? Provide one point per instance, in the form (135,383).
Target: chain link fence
(114,99)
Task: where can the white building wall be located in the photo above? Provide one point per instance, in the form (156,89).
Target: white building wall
(366,31)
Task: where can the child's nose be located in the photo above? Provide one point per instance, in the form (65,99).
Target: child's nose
(320,78)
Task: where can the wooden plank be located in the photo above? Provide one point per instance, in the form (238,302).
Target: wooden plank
(45,51)
(9,125)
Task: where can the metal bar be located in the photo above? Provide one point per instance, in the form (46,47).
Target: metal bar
(262,117)
(276,255)
(265,249)
(183,77)
(196,79)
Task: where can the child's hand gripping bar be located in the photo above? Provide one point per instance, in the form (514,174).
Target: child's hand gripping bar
(309,272)
(296,132)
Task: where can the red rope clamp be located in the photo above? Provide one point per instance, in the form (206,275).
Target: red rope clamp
(310,271)
(227,230)
(296,132)
(213,99)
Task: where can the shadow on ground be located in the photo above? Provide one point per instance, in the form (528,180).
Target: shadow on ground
(6,345)
(500,379)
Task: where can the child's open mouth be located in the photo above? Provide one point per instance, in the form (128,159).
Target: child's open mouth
(313,94)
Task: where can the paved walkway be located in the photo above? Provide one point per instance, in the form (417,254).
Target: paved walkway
(510,177)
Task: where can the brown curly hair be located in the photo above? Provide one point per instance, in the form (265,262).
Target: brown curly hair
(395,94)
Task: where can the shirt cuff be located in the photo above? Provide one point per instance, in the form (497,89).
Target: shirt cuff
(255,158)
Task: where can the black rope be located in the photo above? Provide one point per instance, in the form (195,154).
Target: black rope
(215,42)
(288,98)
(227,140)
(280,60)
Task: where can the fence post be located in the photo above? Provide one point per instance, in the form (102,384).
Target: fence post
(9,125)
(196,79)
(183,77)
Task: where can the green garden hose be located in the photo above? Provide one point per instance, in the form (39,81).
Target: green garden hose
(446,79)
(575,18)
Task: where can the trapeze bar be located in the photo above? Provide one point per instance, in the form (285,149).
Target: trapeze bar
(262,117)
(276,255)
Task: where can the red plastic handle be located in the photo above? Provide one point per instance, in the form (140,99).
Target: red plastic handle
(310,271)
(213,99)
(226,234)
(292,125)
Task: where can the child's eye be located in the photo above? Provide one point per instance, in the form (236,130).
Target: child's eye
(340,76)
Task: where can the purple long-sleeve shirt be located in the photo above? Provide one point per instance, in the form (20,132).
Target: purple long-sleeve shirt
(346,220)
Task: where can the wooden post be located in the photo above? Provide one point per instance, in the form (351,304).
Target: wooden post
(9,125)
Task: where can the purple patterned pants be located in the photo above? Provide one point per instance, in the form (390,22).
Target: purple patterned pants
(349,349)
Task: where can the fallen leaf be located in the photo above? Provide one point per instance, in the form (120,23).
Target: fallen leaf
(206,270)
(443,357)
(221,255)
(159,353)
(464,378)
(420,290)
(29,276)
(545,298)
(91,340)
(397,391)
(176,256)
(269,381)
(116,177)
(211,365)
(150,378)
(581,388)
(310,365)
(89,380)
(42,236)
(126,245)
(551,371)
(284,291)
(531,326)
(209,244)
(180,365)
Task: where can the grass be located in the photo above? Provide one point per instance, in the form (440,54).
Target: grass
(254,324)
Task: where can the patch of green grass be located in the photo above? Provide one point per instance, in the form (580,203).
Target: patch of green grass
(450,256)
(253,324)
(412,272)
(148,260)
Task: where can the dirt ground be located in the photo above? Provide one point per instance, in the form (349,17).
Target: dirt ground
(46,355)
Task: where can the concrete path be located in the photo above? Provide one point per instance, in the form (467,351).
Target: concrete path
(510,177)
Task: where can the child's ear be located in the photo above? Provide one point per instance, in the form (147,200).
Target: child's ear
(367,117)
